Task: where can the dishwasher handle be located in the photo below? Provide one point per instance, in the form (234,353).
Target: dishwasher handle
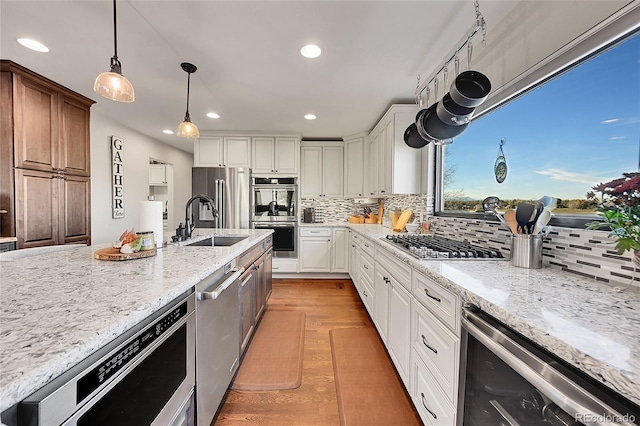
(213,295)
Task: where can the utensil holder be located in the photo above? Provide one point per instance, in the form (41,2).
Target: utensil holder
(526,250)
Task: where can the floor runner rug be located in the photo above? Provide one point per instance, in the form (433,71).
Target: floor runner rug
(273,360)
(369,390)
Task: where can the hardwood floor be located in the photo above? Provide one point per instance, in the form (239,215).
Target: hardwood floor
(327,304)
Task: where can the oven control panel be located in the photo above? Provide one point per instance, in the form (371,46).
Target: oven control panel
(111,365)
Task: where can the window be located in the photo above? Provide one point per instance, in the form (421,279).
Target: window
(563,136)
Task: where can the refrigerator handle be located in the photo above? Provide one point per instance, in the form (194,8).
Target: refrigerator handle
(221,203)
(217,197)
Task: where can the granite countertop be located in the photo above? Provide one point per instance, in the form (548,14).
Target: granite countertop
(584,322)
(59,304)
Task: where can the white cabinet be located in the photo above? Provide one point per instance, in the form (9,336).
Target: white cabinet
(437,347)
(340,250)
(157,175)
(399,328)
(419,322)
(381,303)
(315,250)
(394,312)
(237,151)
(275,155)
(354,181)
(222,151)
(324,250)
(371,163)
(208,152)
(431,403)
(354,259)
(394,167)
(322,170)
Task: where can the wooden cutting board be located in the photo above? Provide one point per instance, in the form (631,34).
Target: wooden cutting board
(110,253)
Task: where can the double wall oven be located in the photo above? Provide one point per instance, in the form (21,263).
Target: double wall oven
(274,205)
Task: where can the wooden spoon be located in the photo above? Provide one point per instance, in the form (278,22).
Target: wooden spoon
(510,218)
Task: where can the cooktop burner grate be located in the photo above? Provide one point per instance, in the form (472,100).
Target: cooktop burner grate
(429,246)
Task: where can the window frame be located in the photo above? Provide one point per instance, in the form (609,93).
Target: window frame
(609,33)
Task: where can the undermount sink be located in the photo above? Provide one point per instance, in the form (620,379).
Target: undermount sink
(219,241)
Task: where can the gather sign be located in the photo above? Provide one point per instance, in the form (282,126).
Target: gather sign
(117,177)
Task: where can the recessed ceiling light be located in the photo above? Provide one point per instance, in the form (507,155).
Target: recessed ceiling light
(213,115)
(167,132)
(310,117)
(33,45)
(311,51)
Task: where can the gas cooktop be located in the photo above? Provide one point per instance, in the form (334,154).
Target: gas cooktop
(432,247)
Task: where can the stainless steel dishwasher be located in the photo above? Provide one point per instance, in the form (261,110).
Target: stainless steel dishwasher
(217,338)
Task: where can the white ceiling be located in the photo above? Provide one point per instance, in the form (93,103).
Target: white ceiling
(250,70)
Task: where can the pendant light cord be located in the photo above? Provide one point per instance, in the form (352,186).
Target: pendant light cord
(186,115)
(115,32)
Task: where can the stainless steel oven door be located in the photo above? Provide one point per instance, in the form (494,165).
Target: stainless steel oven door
(145,377)
(274,202)
(285,237)
(508,380)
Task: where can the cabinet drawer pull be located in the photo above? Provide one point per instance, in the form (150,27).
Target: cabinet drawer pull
(424,342)
(365,266)
(366,245)
(427,408)
(437,299)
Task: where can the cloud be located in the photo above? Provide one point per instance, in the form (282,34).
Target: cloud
(564,175)
(609,121)
(616,138)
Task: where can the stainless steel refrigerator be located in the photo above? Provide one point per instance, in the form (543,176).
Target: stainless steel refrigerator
(229,189)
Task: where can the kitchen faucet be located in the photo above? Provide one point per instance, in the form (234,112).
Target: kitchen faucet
(189,226)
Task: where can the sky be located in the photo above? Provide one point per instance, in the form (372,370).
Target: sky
(576,131)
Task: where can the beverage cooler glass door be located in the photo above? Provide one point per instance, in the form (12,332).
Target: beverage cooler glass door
(509,380)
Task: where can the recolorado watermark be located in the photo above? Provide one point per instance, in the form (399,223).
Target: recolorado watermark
(590,418)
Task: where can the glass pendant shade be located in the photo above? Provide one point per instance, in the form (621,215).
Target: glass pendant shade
(114,86)
(187,129)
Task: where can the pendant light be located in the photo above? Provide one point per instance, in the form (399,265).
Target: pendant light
(187,129)
(113,85)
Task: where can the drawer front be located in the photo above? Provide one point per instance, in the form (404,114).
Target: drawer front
(367,294)
(400,271)
(366,267)
(315,232)
(431,403)
(438,347)
(439,301)
(367,246)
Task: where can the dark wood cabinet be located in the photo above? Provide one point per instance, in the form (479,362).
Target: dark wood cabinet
(45,177)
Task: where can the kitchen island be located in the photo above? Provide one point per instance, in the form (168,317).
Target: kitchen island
(59,306)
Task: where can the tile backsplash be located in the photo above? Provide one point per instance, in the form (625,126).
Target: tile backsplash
(590,254)
(338,210)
